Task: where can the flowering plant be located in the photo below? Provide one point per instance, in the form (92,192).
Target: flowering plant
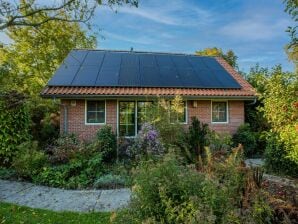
(146,143)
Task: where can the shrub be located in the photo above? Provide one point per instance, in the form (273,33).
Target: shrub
(247,138)
(147,143)
(219,141)
(276,157)
(14,125)
(110,181)
(29,160)
(167,192)
(7,173)
(198,136)
(63,149)
(78,173)
(106,143)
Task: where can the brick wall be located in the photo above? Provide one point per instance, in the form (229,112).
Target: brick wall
(76,117)
(203,112)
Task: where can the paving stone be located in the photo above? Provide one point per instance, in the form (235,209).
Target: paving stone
(56,199)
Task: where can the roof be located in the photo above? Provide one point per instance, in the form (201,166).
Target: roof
(124,73)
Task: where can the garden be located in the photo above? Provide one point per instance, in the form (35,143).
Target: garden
(178,175)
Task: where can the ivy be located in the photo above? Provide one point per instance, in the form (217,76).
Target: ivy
(14,124)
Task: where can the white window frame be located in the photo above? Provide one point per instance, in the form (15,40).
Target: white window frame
(136,114)
(86,123)
(227,108)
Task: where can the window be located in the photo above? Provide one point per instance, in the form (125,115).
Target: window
(219,112)
(127,121)
(179,117)
(95,112)
(142,113)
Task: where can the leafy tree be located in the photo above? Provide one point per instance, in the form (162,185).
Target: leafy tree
(292,47)
(35,54)
(281,109)
(18,13)
(229,56)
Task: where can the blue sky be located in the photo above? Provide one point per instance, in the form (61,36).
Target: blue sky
(254,29)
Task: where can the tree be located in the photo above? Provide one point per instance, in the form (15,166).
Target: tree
(34,55)
(18,13)
(292,47)
(229,56)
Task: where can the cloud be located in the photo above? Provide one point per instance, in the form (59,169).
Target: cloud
(254,29)
(137,39)
(175,13)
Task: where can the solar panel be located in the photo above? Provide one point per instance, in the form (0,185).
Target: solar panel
(112,68)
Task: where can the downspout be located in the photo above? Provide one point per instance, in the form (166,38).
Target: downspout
(65,123)
(254,102)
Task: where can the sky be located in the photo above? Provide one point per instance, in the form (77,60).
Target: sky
(254,29)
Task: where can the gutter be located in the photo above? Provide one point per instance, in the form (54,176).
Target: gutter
(75,96)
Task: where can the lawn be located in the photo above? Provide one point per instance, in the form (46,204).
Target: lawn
(11,213)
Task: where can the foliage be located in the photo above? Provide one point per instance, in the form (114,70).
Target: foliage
(35,54)
(164,192)
(20,13)
(63,149)
(281,109)
(247,138)
(14,125)
(78,173)
(7,173)
(292,47)
(11,214)
(198,136)
(219,141)
(276,159)
(29,160)
(229,56)
(106,143)
(146,144)
(110,181)
(161,114)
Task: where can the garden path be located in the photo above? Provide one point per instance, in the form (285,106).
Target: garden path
(55,199)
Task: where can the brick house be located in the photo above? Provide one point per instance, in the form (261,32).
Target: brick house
(104,87)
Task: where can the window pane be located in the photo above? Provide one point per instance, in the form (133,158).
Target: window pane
(142,113)
(178,117)
(127,118)
(95,111)
(219,112)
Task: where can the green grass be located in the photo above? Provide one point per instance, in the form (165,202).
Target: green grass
(14,214)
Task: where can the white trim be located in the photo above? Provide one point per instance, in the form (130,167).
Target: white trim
(86,123)
(228,114)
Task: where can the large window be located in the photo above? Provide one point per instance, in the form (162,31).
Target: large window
(219,112)
(127,119)
(179,117)
(95,112)
(133,114)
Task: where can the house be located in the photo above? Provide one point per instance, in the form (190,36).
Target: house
(106,87)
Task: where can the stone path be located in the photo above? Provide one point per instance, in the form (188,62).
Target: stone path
(254,162)
(55,199)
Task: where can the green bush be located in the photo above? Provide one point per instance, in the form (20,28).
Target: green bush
(219,141)
(29,160)
(247,138)
(64,149)
(78,173)
(276,157)
(14,125)
(110,181)
(7,173)
(106,143)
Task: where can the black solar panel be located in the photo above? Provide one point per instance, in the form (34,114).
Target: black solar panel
(141,69)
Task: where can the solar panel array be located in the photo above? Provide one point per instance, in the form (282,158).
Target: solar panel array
(141,69)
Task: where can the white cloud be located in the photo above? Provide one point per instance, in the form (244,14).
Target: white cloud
(254,29)
(137,39)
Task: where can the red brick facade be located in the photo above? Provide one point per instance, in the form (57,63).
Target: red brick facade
(76,116)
